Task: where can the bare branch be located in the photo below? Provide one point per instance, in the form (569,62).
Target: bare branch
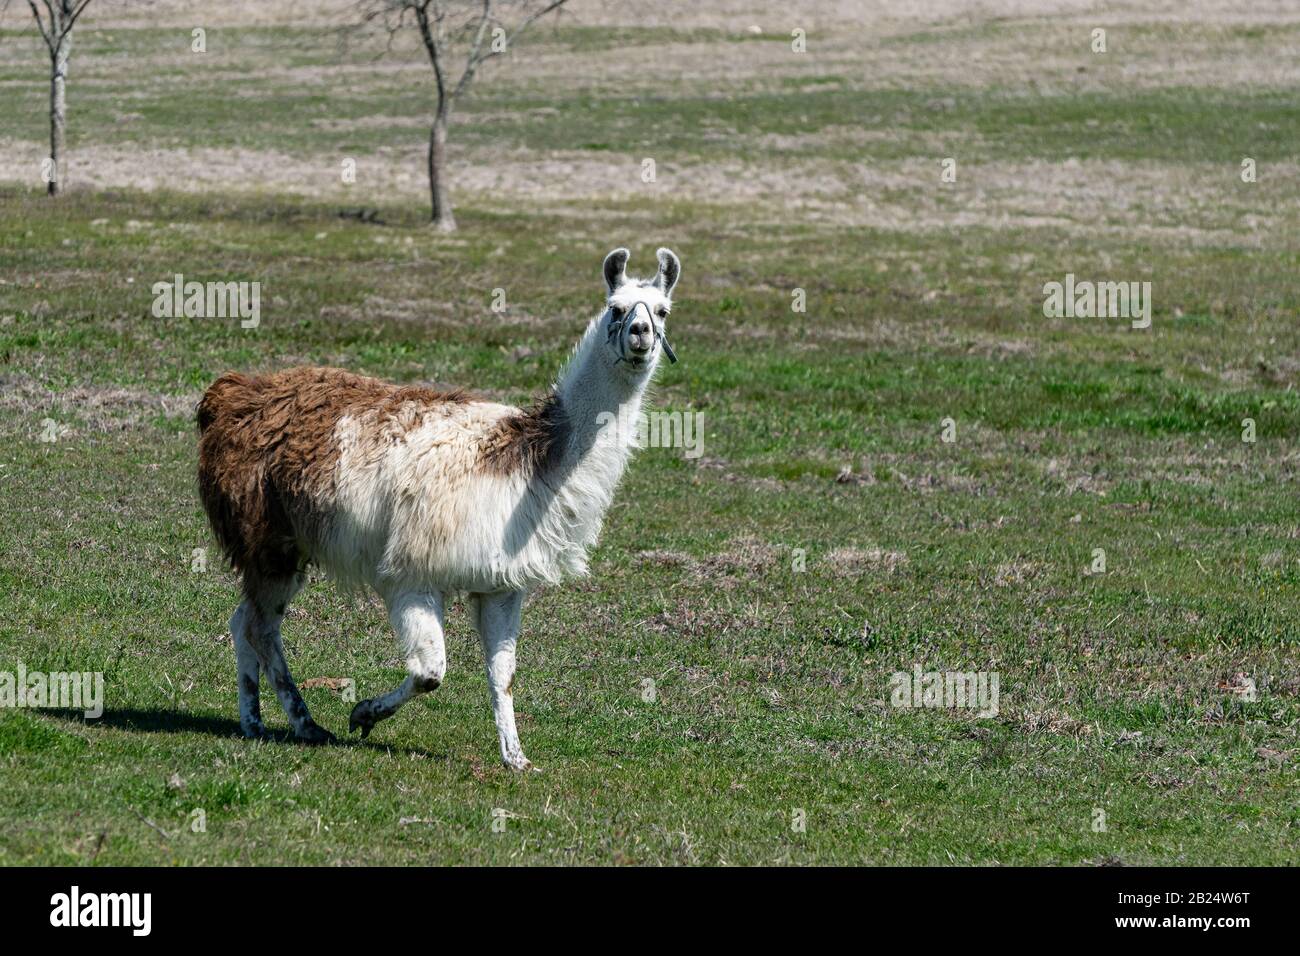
(40,24)
(476,53)
(77,11)
(431,44)
(474,57)
(530,20)
(61,16)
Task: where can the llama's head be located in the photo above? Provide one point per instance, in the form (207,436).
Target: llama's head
(636,312)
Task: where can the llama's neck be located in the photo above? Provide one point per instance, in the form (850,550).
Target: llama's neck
(601,407)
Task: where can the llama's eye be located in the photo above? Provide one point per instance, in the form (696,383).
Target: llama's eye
(662,313)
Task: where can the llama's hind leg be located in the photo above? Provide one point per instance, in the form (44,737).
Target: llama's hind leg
(497,618)
(249,671)
(267,600)
(417,618)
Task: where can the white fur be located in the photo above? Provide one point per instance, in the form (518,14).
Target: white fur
(424,515)
(417,516)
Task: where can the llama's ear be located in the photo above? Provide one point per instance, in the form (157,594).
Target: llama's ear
(670,270)
(615,269)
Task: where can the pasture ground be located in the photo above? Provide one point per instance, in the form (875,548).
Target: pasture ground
(1126,692)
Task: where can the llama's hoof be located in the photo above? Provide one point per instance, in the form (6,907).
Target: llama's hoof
(313,733)
(254,730)
(522,764)
(363,718)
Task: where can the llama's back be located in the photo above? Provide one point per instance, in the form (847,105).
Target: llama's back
(269,452)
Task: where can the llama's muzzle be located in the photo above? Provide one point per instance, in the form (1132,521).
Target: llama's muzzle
(640,331)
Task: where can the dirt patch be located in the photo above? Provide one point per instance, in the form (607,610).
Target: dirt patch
(745,557)
(775,17)
(665,559)
(748,556)
(328,683)
(690,620)
(930,482)
(1090,483)
(96,408)
(1049,721)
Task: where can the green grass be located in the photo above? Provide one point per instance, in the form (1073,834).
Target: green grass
(221,99)
(772,684)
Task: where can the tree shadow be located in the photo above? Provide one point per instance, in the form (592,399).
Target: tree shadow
(179,722)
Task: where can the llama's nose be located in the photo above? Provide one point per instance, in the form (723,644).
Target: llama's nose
(640,336)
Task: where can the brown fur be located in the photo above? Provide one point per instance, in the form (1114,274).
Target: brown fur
(267,456)
(527,441)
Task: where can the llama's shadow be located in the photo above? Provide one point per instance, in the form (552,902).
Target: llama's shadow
(179,722)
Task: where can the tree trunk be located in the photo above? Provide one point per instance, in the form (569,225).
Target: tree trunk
(58,113)
(439,189)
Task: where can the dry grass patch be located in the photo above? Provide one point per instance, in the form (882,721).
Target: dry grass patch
(860,561)
(98,408)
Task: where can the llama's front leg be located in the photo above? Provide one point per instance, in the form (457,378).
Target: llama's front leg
(417,619)
(498,629)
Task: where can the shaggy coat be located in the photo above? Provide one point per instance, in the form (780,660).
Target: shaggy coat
(418,492)
(381,483)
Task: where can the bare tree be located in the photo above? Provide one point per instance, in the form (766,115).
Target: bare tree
(452,31)
(56,29)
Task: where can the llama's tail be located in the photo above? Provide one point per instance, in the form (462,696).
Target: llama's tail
(242,508)
(225,397)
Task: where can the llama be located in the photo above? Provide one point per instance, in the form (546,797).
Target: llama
(422,494)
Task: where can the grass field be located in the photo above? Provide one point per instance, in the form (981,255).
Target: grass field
(1126,692)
